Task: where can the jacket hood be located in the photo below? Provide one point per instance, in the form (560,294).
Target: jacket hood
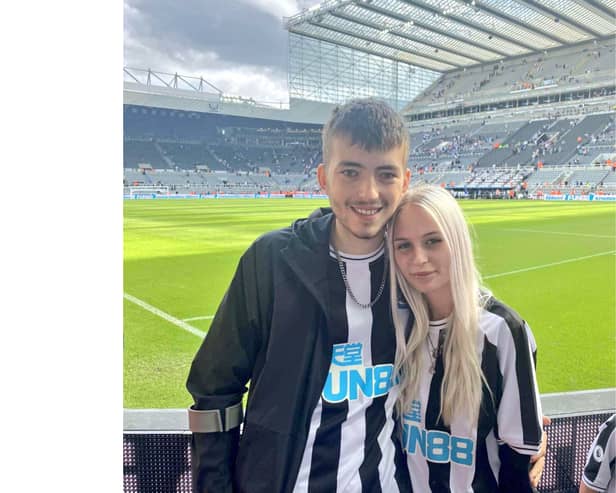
(320,212)
(314,231)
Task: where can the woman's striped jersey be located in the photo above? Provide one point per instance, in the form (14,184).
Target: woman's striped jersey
(599,470)
(491,454)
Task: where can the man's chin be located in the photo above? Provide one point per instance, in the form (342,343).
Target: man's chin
(368,234)
(362,233)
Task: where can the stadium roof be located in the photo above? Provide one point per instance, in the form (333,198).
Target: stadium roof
(444,35)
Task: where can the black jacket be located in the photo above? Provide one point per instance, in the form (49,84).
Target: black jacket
(270,329)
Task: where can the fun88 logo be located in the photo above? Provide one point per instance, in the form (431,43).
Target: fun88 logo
(348,377)
(435,445)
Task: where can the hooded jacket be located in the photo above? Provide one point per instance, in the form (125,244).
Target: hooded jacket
(270,329)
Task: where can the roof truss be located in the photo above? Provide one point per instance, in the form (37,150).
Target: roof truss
(444,35)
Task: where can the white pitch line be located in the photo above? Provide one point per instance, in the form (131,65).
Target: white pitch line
(543,266)
(558,233)
(169,318)
(205,317)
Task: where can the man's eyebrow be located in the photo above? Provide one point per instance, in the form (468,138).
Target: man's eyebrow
(353,164)
(389,167)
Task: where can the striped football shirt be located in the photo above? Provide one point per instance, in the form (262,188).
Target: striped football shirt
(467,456)
(353,440)
(599,470)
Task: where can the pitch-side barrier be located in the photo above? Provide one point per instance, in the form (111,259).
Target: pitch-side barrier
(175,196)
(157,443)
(148,195)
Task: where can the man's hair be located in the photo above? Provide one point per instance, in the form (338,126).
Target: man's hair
(369,123)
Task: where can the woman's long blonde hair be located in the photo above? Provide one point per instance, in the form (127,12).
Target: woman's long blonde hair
(462,381)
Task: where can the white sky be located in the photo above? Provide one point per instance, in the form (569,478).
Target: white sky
(240,46)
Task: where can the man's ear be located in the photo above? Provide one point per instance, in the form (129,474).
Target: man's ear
(322,176)
(407,180)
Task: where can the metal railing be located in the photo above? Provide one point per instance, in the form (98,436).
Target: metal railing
(157,443)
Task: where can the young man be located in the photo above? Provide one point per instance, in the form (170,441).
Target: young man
(306,320)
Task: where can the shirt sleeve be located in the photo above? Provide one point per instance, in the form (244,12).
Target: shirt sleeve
(519,415)
(599,468)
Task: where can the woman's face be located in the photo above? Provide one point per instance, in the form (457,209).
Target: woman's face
(421,254)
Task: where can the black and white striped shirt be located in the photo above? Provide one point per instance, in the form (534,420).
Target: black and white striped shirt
(353,440)
(599,469)
(466,457)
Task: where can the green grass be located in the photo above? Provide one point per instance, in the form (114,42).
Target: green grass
(179,257)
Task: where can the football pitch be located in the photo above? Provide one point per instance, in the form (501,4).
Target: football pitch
(553,262)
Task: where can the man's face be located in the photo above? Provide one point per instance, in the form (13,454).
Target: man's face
(364,188)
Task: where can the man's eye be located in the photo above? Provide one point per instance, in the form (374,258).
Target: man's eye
(349,173)
(388,176)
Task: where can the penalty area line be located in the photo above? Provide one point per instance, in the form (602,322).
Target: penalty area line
(169,318)
(543,266)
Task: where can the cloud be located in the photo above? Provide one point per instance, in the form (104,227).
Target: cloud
(240,46)
(266,85)
(277,8)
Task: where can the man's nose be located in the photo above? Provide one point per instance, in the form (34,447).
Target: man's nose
(368,189)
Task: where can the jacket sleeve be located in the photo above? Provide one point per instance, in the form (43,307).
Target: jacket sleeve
(218,377)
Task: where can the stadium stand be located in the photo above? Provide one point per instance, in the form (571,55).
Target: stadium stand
(248,157)
(425,177)
(188,154)
(572,142)
(444,154)
(509,142)
(187,140)
(544,177)
(588,64)
(516,148)
(264,160)
(455,178)
(141,152)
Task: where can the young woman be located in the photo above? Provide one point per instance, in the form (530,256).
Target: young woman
(469,402)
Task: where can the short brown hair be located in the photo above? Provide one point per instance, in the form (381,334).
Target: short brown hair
(370,123)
